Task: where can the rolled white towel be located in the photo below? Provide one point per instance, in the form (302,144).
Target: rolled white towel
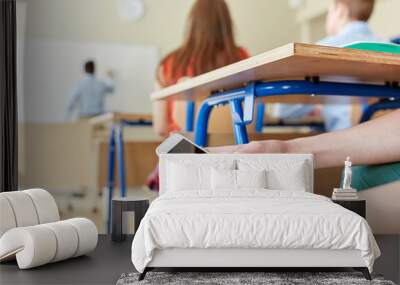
(33,246)
(26,208)
(41,244)
(23,208)
(45,205)
(67,240)
(87,235)
(7,218)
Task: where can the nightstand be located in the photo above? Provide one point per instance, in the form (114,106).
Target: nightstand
(121,205)
(356,206)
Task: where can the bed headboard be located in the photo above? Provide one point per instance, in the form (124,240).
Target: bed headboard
(286,162)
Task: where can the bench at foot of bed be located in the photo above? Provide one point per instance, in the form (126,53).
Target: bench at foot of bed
(363,270)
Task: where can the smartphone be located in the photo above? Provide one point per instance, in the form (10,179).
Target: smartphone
(177,143)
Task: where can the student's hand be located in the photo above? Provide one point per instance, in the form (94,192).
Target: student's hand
(271,146)
(110,73)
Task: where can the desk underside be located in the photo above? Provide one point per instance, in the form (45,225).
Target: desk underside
(292,61)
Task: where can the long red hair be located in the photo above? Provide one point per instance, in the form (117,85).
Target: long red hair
(209,41)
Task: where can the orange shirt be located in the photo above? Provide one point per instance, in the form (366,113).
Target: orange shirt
(166,70)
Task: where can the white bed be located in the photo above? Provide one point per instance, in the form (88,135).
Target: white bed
(201,219)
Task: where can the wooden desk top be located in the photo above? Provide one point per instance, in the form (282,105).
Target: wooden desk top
(292,61)
(116,117)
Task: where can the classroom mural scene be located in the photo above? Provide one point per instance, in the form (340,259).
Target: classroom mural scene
(200,142)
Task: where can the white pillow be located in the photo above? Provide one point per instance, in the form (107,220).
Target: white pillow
(184,175)
(181,177)
(225,179)
(285,174)
(251,178)
(293,180)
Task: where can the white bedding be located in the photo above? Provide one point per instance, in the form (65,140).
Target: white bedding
(250,219)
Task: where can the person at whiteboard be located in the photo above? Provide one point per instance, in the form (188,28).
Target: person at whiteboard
(208,44)
(347,22)
(90,93)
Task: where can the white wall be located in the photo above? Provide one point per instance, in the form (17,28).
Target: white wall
(260,24)
(386,21)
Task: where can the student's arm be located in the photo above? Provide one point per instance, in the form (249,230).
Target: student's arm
(160,124)
(73,103)
(160,113)
(374,142)
(108,83)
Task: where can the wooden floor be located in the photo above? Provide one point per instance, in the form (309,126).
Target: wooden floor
(106,264)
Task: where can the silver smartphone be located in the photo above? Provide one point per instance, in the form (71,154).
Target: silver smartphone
(177,143)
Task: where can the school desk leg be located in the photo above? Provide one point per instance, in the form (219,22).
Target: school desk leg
(110,178)
(239,128)
(385,104)
(190,108)
(260,117)
(200,132)
(121,161)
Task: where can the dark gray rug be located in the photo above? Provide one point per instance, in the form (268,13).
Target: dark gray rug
(183,278)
